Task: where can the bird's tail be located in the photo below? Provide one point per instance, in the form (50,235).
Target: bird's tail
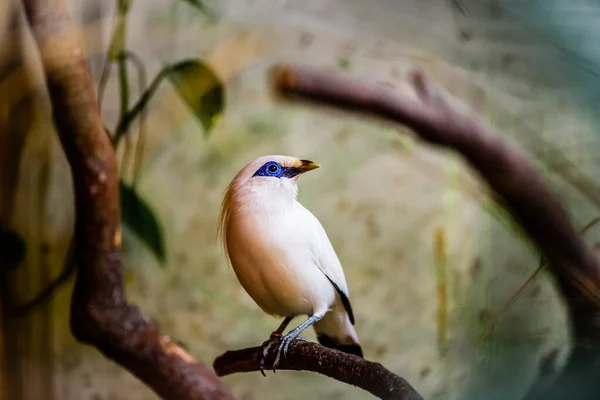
(335,331)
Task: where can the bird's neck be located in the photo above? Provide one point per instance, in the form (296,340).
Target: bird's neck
(256,200)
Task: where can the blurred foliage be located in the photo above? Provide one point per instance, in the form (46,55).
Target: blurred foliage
(198,86)
(138,216)
(201,90)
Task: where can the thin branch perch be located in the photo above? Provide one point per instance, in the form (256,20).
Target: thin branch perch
(100,314)
(307,356)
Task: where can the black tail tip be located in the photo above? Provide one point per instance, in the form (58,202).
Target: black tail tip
(327,341)
(351,349)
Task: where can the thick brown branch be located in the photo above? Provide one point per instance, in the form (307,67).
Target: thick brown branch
(306,356)
(511,176)
(100,314)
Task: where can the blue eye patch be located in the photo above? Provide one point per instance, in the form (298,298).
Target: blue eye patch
(273,169)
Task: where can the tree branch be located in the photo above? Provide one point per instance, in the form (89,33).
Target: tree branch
(100,314)
(307,356)
(505,169)
(511,176)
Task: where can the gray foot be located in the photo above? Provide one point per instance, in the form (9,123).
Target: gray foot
(283,346)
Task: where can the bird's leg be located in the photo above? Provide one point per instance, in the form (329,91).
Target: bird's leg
(274,338)
(282,327)
(294,334)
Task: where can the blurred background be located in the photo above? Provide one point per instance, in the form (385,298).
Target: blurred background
(430,259)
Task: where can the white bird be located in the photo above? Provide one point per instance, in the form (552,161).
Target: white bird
(282,256)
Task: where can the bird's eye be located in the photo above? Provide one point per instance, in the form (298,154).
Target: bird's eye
(272,168)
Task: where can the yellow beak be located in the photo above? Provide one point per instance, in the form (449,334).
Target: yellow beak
(307,165)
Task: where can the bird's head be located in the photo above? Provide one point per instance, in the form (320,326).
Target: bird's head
(270,176)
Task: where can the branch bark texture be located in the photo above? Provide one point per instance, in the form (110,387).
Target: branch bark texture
(307,356)
(100,314)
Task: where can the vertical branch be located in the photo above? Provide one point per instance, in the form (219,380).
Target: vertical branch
(117,50)
(100,314)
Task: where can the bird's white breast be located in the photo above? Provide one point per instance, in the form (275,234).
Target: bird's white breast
(272,249)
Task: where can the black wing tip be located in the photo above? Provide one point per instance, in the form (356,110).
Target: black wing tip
(348,308)
(327,341)
(345,301)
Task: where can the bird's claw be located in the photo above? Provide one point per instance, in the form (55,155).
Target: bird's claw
(263,350)
(275,338)
(284,345)
(288,342)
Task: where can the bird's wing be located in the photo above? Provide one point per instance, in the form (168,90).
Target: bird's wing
(325,258)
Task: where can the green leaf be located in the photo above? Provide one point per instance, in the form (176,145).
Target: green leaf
(139,217)
(201,90)
(198,86)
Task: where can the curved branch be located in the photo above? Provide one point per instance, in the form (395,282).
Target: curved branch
(100,313)
(506,170)
(307,356)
